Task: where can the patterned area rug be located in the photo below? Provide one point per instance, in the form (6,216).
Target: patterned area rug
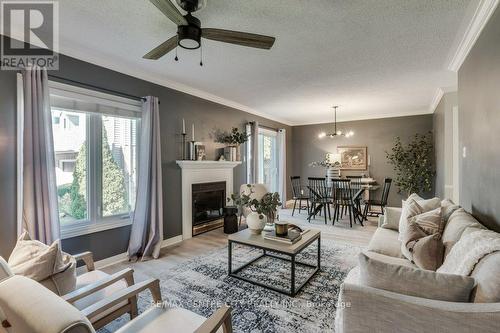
(202,285)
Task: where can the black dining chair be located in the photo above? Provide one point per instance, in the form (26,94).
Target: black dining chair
(380,203)
(343,200)
(320,197)
(299,194)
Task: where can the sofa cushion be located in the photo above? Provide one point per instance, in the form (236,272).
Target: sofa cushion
(487,276)
(391,218)
(457,223)
(162,319)
(414,281)
(385,241)
(94,276)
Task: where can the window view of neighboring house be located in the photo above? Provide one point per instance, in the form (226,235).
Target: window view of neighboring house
(96,163)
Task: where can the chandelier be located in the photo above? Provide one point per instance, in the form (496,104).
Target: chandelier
(335,131)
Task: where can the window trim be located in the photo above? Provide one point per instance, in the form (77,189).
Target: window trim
(95,222)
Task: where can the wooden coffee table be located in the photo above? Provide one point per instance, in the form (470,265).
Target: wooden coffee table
(288,251)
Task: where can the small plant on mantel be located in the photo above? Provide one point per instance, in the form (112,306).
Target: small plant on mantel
(235,137)
(413,164)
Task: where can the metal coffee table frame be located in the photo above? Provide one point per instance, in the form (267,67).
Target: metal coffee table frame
(292,259)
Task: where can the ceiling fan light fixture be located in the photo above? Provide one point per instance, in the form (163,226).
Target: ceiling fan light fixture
(189,36)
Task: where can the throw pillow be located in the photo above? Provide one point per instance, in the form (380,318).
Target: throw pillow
(36,260)
(411,209)
(421,240)
(448,207)
(391,218)
(414,281)
(425,206)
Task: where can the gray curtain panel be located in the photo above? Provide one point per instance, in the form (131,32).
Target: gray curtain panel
(252,129)
(147,222)
(40,215)
(282,165)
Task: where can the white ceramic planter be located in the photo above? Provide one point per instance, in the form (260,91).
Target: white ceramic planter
(255,223)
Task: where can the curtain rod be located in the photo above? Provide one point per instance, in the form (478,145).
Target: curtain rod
(266,127)
(114,92)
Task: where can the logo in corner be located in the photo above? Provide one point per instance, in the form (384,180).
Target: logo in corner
(29,34)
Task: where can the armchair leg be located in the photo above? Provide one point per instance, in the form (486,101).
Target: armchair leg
(294,204)
(129,279)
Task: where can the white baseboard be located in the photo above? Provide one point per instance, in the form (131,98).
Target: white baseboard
(123,256)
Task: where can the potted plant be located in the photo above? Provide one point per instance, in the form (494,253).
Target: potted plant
(413,164)
(332,165)
(233,140)
(263,211)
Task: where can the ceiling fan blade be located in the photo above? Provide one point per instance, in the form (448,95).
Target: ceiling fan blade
(239,38)
(170,11)
(162,49)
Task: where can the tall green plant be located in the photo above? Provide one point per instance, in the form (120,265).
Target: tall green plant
(413,163)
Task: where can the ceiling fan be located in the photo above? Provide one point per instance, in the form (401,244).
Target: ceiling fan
(189,30)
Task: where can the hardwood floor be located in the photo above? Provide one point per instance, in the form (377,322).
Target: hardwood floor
(201,244)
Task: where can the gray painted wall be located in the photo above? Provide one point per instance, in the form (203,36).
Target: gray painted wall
(206,115)
(376,134)
(479,123)
(443,142)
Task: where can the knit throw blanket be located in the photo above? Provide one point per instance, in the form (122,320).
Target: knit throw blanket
(469,250)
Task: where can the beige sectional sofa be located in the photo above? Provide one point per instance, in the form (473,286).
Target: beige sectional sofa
(362,308)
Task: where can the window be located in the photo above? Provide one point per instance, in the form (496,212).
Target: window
(268,159)
(95,147)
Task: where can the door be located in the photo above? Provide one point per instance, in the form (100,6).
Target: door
(268,159)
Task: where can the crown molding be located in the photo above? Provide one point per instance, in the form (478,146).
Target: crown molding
(481,15)
(436,99)
(438,95)
(367,117)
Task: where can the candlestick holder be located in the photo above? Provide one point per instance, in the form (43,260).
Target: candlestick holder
(184,146)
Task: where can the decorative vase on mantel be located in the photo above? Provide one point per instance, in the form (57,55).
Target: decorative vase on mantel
(232,153)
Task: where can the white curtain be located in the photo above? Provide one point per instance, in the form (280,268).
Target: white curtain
(252,129)
(147,223)
(282,165)
(39,197)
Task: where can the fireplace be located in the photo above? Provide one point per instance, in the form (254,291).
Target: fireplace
(208,200)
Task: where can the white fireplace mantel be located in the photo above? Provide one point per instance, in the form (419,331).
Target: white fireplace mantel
(207,164)
(197,172)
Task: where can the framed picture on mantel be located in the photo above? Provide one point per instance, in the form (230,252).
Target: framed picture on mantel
(353,158)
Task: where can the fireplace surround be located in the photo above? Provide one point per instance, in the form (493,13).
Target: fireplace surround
(200,172)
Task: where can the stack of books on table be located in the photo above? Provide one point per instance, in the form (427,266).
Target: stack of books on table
(293,236)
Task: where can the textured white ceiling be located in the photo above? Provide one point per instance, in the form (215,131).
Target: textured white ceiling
(375,58)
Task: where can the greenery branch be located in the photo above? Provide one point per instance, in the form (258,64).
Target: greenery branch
(413,164)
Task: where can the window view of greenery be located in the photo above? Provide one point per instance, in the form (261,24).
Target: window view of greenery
(117,167)
(268,163)
(70,134)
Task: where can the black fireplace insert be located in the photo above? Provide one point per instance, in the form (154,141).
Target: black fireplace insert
(209,199)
